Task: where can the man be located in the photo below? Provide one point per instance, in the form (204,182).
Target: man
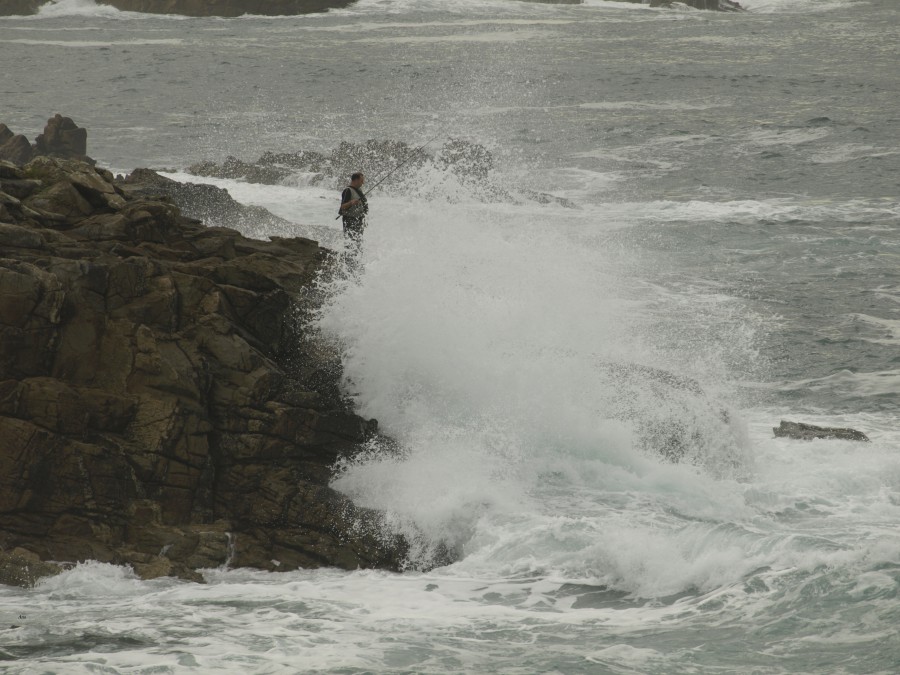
(354,209)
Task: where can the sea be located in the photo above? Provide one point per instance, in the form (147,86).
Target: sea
(615,247)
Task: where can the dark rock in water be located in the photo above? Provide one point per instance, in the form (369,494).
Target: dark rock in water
(227,7)
(808,432)
(161,403)
(21,7)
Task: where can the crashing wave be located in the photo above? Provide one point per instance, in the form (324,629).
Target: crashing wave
(396,163)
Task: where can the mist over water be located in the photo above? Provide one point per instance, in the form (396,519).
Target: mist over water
(688,232)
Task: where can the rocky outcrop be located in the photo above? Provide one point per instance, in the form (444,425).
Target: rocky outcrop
(807,432)
(161,403)
(227,7)
(61,138)
(215,206)
(14,148)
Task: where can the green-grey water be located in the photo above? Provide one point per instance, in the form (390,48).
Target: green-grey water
(721,202)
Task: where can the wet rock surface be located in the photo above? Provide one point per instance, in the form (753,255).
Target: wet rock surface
(806,432)
(162,403)
(216,207)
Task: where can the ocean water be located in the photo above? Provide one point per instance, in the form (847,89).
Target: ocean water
(689,231)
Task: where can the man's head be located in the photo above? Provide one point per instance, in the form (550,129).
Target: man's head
(357,179)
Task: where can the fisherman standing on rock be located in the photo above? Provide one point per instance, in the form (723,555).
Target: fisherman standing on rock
(353,210)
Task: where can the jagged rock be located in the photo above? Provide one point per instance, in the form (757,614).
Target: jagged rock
(227,7)
(204,202)
(9,170)
(807,432)
(14,148)
(63,138)
(214,206)
(155,566)
(161,405)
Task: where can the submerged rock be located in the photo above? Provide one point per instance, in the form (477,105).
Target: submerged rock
(807,432)
(161,403)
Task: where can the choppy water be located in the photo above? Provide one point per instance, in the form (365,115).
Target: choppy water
(726,209)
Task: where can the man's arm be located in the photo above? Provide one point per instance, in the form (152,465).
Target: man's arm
(346,202)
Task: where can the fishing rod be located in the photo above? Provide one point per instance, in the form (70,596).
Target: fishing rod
(411,155)
(392,171)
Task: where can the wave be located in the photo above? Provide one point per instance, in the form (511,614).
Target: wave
(794,6)
(515,364)
(90,9)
